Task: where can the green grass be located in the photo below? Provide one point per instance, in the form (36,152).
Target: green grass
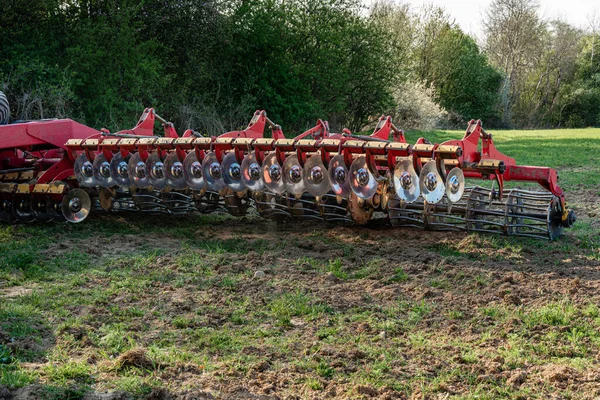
(351,309)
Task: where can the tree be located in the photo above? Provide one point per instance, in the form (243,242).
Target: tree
(514,38)
(537,105)
(463,80)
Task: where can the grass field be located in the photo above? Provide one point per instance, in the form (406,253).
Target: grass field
(156,307)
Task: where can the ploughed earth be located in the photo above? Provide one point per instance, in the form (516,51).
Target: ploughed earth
(217,307)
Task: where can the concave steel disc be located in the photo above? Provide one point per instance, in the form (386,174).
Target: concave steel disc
(362,181)
(174,172)
(76,205)
(39,207)
(432,185)
(455,184)
(102,171)
(192,172)
(252,174)
(406,181)
(136,169)
(293,175)
(316,177)
(339,176)
(84,171)
(119,170)
(54,208)
(213,172)
(155,169)
(22,210)
(272,174)
(232,173)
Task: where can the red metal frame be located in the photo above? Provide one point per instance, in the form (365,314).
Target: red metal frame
(473,161)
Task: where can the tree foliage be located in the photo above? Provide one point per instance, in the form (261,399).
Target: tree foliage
(208,64)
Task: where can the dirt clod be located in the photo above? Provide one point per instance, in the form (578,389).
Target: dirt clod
(558,373)
(366,390)
(4,393)
(134,358)
(512,299)
(159,394)
(516,378)
(31,392)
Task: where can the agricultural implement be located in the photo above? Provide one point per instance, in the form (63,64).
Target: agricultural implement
(62,170)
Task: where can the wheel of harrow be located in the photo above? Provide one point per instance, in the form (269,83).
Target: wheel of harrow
(236,202)
(6,211)
(360,211)
(22,210)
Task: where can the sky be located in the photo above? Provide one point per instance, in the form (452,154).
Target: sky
(468,13)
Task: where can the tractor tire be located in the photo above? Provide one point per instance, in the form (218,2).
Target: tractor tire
(4,109)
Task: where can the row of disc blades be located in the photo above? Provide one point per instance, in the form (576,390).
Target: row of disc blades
(314,177)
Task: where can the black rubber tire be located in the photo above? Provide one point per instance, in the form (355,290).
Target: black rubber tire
(4,109)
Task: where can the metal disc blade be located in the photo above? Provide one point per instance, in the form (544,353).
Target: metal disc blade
(6,213)
(272,174)
(76,205)
(316,177)
(102,171)
(406,181)
(362,181)
(431,183)
(232,173)
(136,169)
(339,176)
(213,172)
(22,210)
(155,169)
(118,170)
(293,175)
(54,208)
(455,184)
(252,174)
(192,172)
(84,171)
(39,207)
(174,172)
